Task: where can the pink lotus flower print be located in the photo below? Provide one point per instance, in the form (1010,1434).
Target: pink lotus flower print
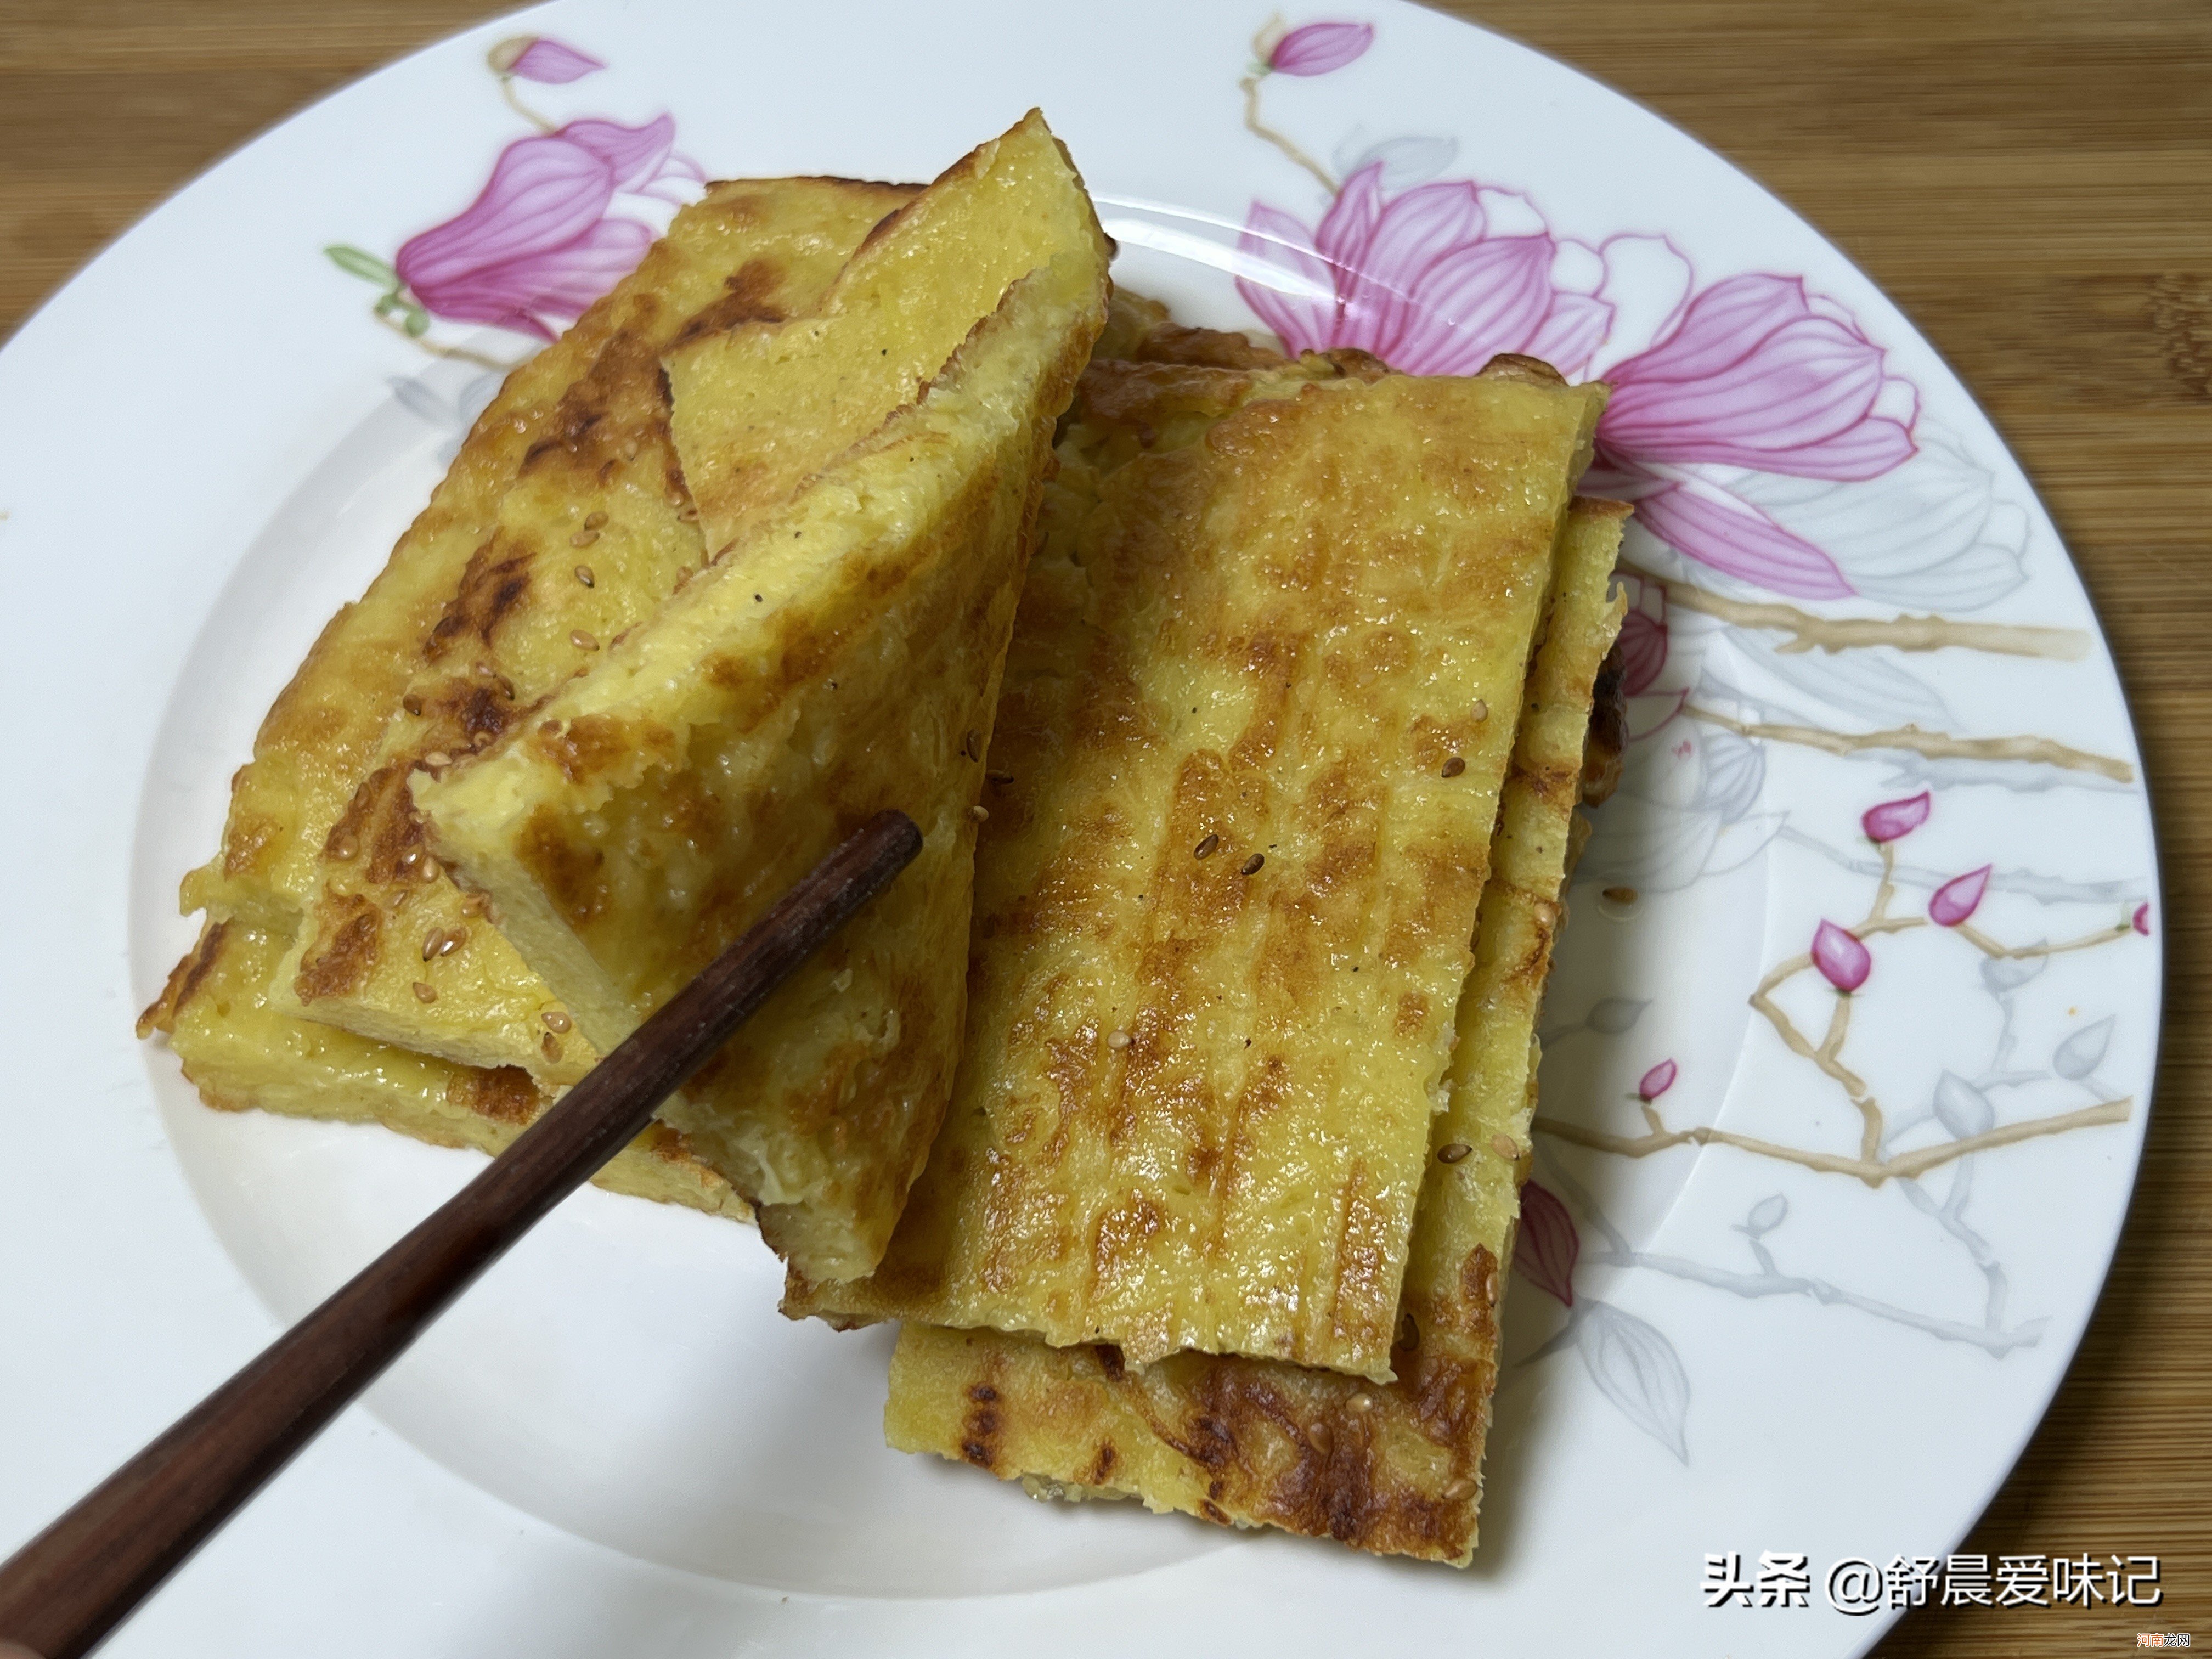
(538,245)
(1435,281)
(1318,48)
(1548,1247)
(1843,962)
(1755,373)
(1959,898)
(544,238)
(1894,818)
(1752,372)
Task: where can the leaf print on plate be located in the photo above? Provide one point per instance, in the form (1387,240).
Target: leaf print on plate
(1546,1248)
(1961,1107)
(1414,159)
(1765,1216)
(2078,1057)
(1687,807)
(1636,1367)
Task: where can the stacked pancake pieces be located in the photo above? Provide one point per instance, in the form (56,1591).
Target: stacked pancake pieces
(1176,1099)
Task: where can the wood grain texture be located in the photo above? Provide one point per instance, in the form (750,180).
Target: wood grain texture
(2030,179)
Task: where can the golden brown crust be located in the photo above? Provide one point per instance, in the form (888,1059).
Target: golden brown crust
(594,530)
(1139,330)
(840,656)
(1531,371)
(752,435)
(1231,870)
(504,1094)
(321,735)
(1393,1468)
(183,981)
(754,295)
(355,935)
(242,1054)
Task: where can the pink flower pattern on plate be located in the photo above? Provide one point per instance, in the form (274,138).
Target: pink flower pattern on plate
(1843,960)
(1436,281)
(1656,1081)
(1894,818)
(1752,372)
(1959,897)
(539,244)
(541,58)
(543,240)
(1319,48)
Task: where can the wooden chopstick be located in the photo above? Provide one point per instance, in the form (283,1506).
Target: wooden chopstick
(62,1592)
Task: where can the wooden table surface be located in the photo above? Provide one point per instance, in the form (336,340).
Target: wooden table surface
(2030,179)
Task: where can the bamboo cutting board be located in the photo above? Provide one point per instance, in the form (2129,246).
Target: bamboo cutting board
(2030,179)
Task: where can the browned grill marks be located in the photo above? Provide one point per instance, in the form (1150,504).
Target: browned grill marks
(184,979)
(356,942)
(570,872)
(492,586)
(749,299)
(504,1094)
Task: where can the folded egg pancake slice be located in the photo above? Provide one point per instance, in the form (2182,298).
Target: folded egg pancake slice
(594,531)
(841,657)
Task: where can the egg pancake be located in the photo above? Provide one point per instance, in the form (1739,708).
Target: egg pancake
(241,1052)
(594,530)
(1255,725)
(1392,1468)
(758,410)
(841,657)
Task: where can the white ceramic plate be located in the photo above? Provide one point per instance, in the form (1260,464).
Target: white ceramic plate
(1786,1285)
